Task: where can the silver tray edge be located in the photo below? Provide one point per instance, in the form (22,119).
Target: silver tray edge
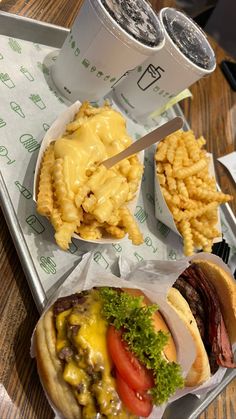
(36,288)
(189,407)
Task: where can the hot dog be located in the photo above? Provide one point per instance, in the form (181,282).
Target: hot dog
(204,296)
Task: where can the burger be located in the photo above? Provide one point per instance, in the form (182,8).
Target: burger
(204,296)
(106,353)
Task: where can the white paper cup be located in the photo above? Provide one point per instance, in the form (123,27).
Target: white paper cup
(98,52)
(164,75)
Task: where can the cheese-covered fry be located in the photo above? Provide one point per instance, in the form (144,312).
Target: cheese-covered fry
(63,235)
(89,232)
(115,231)
(130,226)
(55,219)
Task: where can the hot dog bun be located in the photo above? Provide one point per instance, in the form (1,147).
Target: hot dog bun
(225,288)
(200,370)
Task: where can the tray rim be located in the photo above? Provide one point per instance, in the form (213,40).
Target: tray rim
(39,294)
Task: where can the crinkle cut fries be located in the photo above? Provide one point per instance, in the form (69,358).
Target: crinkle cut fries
(182,167)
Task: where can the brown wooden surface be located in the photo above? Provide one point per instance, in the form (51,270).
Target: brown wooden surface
(212,112)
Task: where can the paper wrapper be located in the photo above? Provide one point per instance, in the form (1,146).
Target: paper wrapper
(56,130)
(154,278)
(162,211)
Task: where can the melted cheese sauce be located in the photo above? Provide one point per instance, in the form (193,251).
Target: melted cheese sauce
(100,137)
(88,371)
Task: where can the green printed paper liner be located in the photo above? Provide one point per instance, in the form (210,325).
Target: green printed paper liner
(56,130)
(154,278)
(162,211)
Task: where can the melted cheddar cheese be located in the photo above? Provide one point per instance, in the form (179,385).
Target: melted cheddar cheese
(88,368)
(100,137)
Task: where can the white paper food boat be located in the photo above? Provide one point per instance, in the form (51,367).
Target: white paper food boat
(162,212)
(56,130)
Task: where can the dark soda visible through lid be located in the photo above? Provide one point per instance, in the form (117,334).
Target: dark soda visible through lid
(189,38)
(137,18)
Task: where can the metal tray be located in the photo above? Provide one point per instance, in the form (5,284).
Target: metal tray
(188,407)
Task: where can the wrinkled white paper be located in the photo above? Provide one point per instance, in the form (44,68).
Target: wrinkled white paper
(229,161)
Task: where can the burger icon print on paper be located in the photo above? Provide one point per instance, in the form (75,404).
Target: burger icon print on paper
(150,76)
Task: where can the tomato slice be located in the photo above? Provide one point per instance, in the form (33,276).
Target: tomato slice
(139,404)
(135,374)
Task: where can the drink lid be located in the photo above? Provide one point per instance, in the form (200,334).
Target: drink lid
(137,18)
(189,38)
(134,21)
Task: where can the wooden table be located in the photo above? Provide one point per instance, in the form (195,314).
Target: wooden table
(212,112)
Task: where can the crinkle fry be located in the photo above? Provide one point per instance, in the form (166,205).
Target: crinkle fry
(55,219)
(161,178)
(159,167)
(192,147)
(171,183)
(68,209)
(186,161)
(130,226)
(115,231)
(185,230)
(204,243)
(64,233)
(201,142)
(89,232)
(171,148)
(178,159)
(161,151)
(203,227)
(186,215)
(188,204)
(45,194)
(182,188)
(81,194)
(184,172)
(209,195)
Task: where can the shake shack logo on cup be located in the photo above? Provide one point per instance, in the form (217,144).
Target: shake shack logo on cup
(150,76)
(112,37)
(185,57)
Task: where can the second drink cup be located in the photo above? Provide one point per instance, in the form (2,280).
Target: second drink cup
(185,58)
(107,39)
